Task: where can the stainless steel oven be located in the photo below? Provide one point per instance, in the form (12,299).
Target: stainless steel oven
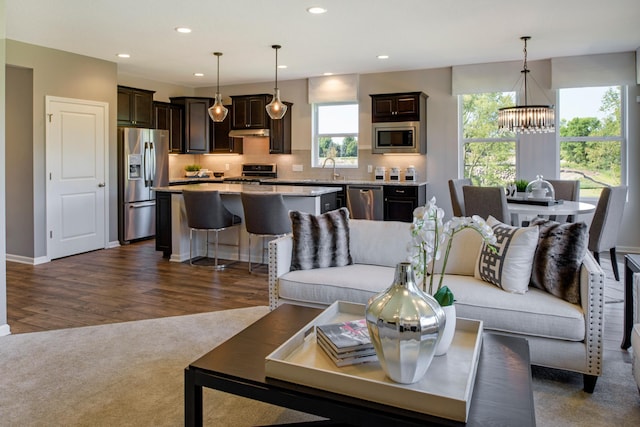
(254,173)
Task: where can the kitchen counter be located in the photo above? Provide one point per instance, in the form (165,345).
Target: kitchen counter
(320,181)
(285,190)
(193,180)
(172,231)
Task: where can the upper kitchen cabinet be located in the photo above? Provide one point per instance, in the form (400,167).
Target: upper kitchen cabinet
(222,142)
(169,117)
(197,129)
(135,107)
(398,107)
(248,111)
(280,133)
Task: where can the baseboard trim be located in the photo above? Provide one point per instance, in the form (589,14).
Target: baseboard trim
(628,249)
(4,330)
(27,260)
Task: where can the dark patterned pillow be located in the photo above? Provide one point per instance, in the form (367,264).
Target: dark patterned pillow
(509,266)
(557,261)
(320,240)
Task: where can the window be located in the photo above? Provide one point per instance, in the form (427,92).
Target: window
(335,134)
(489,157)
(591,136)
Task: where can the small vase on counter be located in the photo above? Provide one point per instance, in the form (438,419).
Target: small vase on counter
(405,326)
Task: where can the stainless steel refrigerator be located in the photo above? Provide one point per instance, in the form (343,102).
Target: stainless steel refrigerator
(143,163)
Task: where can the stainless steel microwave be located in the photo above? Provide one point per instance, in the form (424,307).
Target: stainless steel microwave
(397,137)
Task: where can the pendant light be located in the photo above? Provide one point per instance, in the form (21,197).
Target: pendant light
(527,118)
(217,111)
(276,109)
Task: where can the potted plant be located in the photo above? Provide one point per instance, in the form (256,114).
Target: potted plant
(192,170)
(521,185)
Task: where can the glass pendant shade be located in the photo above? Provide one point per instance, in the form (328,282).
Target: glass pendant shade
(217,111)
(527,118)
(276,109)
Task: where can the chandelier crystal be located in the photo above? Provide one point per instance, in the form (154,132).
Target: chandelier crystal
(276,109)
(527,118)
(218,112)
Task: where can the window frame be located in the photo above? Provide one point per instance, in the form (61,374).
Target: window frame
(316,161)
(622,138)
(462,141)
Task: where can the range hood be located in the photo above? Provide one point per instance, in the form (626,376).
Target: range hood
(241,133)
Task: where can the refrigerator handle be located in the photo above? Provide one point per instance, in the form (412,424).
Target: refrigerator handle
(152,156)
(146,164)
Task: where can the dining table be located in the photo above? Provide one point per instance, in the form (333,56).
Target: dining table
(562,208)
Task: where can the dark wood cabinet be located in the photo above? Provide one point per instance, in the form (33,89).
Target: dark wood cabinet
(197,129)
(398,107)
(135,107)
(163,223)
(248,111)
(170,117)
(222,142)
(280,133)
(401,200)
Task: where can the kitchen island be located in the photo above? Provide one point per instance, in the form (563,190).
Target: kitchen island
(172,231)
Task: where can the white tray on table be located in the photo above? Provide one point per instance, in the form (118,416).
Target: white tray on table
(445,390)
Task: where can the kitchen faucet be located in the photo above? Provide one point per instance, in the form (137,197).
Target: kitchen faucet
(335,175)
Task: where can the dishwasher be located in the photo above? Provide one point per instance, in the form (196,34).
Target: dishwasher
(365,202)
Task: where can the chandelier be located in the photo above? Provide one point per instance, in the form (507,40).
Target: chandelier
(218,112)
(527,118)
(276,109)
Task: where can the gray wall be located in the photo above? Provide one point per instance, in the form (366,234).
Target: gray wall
(4,327)
(63,74)
(18,159)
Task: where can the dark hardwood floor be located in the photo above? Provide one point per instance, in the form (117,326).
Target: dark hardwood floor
(131,282)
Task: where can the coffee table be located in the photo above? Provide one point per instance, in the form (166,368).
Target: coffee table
(631,266)
(502,393)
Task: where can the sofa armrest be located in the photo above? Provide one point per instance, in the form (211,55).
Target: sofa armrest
(592,300)
(279,264)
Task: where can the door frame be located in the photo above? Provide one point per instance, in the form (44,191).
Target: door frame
(105,106)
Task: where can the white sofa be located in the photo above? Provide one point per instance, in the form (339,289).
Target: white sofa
(560,334)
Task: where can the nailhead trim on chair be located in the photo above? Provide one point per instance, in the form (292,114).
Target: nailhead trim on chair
(595,323)
(273,279)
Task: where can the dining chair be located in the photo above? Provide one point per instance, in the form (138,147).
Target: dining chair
(457,198)
(206,212)
(485,201)
(265,215)
(565,189)
(603,233)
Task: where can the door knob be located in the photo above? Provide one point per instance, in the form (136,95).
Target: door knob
(102,184)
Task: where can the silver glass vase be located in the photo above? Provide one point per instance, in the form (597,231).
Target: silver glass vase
(405,325)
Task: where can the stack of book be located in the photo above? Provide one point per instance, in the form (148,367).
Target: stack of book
(346,343)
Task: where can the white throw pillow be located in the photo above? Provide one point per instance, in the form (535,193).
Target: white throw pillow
(510,267)
(463,256)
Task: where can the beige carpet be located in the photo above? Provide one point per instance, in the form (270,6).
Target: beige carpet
(131,374)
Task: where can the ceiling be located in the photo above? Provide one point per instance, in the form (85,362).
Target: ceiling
(416,34)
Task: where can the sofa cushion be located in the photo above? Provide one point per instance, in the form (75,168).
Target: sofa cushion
(320,240)
(558,257)
(536,313)
(463,255)
(354,283)
(509,267)
(383,243)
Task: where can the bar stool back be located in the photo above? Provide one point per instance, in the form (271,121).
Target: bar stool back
(206,212)
(264,215)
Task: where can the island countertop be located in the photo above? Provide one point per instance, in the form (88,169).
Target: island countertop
(285,190)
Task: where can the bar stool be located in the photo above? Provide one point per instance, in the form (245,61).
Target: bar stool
(206,212)
(264,215)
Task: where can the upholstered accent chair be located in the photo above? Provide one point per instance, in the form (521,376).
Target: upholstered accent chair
(565,189)
(457,198)
(603,233)
(485,201)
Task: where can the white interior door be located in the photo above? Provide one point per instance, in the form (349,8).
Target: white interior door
(76,159)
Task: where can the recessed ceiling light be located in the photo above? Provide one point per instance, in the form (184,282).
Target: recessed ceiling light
(183,30)
(327,74)
(124,55)
(383,56)
(316,10)
(198,74)
(282,66)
